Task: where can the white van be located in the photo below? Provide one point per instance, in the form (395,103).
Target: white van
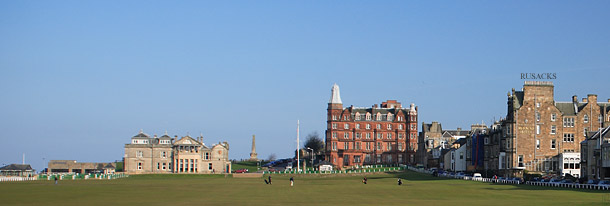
(477,176)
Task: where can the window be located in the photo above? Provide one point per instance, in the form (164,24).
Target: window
(537,144)
(357,126)
(568,122)
(368,116)
(164,166)
(158,165)
(585,130)
(378,126)
(537,117)
(400,146)
(537,129)
(537,104)
(378,158)
(400,135)
(461,155)
(378,145)
(412,126)
(345,135)
(568,137)
(520,160)
(379,135)
(389,126)
(553,117)
(389,136)
(390,117)
(163,154)
(368,126)
(600,119)
(357,116)
(334,125)
(399,118)
(357,159)
(585,119)
(486,140)
(139,153)
(368,145)
(400,127)
(553,129)
(334,135)
(139,166)
(358,135)
(334,117)
(335,146)
(209,166)
(357,146)
(346,145)
(378,117)
(346,126)
(368,135)
(553,143)
(345,118)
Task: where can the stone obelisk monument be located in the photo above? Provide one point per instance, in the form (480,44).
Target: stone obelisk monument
(253,153)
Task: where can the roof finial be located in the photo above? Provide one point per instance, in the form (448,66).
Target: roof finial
(165,132)
(141,131)
(335,97)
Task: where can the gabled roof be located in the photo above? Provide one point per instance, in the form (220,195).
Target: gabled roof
(187,140)
(438,128)
(109,166)
(20,167)
(141,134)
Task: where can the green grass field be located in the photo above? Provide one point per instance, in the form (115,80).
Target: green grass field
(418,189)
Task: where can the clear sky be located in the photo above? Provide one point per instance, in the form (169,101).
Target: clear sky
(79,78)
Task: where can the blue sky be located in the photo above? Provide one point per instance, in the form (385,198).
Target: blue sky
(79,78)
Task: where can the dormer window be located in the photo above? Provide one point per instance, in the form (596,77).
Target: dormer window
(378,116)
(368,116)
(357,117)
(400,126)
(390,116)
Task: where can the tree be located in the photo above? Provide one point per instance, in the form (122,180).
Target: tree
(314,142)
(272,157)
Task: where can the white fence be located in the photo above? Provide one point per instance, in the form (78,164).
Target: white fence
(15,179)
(516,182)
(570,185)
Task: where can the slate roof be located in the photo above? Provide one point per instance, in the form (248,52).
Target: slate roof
(20,167)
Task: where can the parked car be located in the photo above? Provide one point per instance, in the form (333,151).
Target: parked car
(555,181)
(604,183)
(241,171)
(477,176)
(567,181)
(593,182)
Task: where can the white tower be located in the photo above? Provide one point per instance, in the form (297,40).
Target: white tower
(335,97)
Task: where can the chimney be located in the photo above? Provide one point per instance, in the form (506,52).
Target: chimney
(608,100)
(584,100)
(592,98)
(374,105)
(574,99)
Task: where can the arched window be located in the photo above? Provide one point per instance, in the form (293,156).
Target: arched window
(368,116)
(390,117)
(378,116)
(357,116)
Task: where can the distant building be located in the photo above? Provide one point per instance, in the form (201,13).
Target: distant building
(165,154)
(357,136)
(433,139)
(595,155)
(19,170)
(71,166)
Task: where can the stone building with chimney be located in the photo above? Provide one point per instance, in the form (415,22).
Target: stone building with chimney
(357,136)
(538,130)
(165,154)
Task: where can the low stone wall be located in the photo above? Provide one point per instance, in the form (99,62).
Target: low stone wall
(247,175)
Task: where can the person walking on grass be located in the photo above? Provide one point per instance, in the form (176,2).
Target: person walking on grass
(55,179)
(364,180)
(270,179)
(399,181)
(291,181)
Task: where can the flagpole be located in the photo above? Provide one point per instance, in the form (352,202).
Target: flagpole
(298,152)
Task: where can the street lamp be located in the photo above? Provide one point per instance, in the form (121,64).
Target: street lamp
(311,158)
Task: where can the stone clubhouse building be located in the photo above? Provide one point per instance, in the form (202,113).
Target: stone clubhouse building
(145,155)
